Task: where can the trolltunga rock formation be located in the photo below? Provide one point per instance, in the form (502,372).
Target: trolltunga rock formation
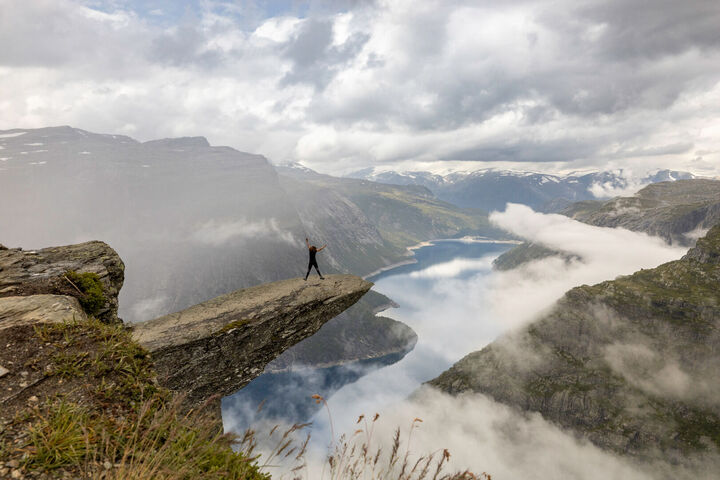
(212,348)
(218,346)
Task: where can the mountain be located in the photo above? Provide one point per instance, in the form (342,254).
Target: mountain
(679,212)
(194,221)
(492,189)
(397,215)
(630,364)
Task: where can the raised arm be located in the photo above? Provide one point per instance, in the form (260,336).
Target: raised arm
(322,247)
(307,242)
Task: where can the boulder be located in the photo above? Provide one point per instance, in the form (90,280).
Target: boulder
(33,272)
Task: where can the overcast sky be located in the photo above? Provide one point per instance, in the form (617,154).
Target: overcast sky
(342,85)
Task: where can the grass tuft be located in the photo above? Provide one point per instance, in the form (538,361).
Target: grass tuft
(89,284)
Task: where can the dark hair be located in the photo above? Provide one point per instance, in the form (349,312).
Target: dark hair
(313,248)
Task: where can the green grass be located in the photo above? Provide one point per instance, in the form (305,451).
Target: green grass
(115,415)
(92,298)
(59,436)
(113,421)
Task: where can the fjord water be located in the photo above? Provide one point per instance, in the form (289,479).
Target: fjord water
(439,297)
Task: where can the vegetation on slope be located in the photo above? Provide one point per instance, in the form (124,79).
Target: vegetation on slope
(527,252)
(629,363)
(88,405)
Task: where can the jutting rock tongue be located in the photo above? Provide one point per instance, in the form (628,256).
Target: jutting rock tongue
(219,346)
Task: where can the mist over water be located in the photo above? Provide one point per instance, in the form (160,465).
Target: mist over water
(363,384)
(457,304)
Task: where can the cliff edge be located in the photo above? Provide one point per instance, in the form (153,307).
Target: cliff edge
(219,346)
(212,348)
(80,396)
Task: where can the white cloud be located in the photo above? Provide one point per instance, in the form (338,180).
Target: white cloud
(615,246)
(215,232)
(453,268)
(610,190)
(454,313)
(393,82)
(696,233)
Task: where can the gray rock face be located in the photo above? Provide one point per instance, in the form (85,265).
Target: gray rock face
(218,346)
(631,364)
(15,311)
(34,272)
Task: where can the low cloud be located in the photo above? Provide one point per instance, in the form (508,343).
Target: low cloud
(216,232)
(614,246)
(148,308)
(453,268)
(611,189)
(605,253)
(460,306)
(485,436)
(696,233)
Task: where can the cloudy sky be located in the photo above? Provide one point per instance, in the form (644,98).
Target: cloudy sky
(342,85)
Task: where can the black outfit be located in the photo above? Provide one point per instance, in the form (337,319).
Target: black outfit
(313,263)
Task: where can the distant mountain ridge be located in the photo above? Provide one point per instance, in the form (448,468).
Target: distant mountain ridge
(491,189)
(194,221)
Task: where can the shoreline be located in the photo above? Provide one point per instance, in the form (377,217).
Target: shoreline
(427,243)
(379,357)
(389,267)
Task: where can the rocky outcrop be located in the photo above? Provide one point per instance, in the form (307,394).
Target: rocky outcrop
(527,252)
(631,364)
(213,348)
(35,272)
(218,346)
(16,311)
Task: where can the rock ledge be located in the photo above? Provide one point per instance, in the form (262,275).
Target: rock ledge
(218,346)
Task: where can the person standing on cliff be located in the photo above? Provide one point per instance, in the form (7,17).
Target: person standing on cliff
(312,249)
